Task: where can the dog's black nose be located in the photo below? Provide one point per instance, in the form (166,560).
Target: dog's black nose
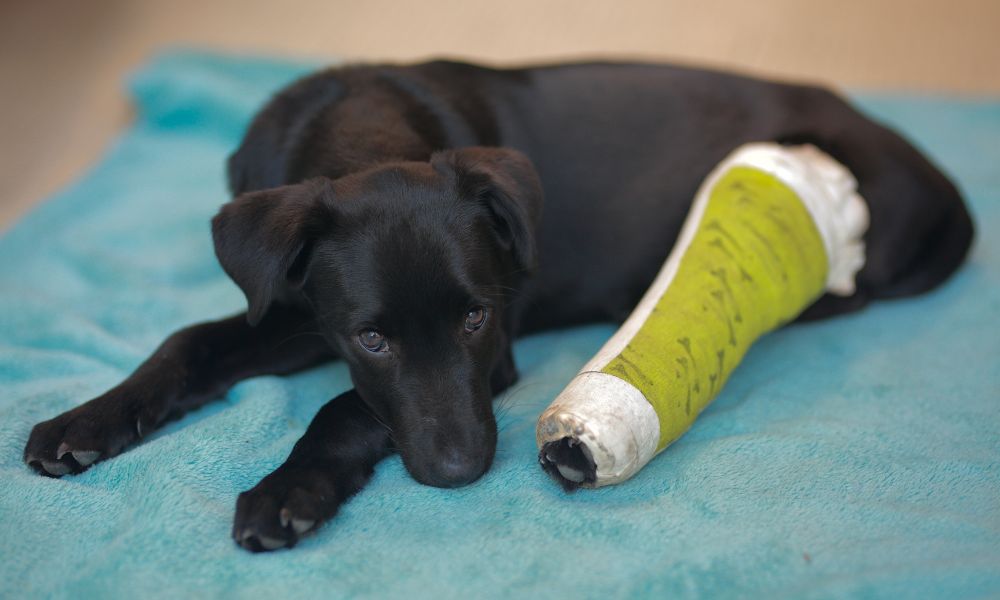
(457,469)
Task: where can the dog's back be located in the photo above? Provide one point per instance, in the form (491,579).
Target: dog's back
(621,149)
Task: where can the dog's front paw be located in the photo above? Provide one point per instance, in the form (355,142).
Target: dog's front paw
(76,439)
(285,506)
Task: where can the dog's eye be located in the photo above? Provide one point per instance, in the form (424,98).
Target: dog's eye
(372,340)
(475,318)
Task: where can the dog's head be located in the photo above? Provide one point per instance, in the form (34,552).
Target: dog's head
(409,268)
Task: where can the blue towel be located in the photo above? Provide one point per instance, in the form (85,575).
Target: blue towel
(853,457)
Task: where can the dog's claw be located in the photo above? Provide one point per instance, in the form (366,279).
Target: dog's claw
(62,451)
(84,458)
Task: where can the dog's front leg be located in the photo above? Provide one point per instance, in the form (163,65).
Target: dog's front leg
(192,366)
(329,464)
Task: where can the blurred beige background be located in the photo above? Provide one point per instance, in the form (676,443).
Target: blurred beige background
(62,61)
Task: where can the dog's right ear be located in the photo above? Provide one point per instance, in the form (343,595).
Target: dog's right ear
(262,239)
(506,182)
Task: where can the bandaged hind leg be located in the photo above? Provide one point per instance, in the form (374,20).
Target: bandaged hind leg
(771,230)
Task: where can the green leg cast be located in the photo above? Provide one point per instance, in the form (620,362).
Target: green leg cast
(771,230)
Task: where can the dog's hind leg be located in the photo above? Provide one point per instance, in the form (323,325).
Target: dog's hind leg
(193,366)
(329,464)
(920,230)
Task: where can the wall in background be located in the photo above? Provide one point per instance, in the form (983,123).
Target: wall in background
(62,61)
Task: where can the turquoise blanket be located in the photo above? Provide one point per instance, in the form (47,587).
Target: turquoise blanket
(854,457)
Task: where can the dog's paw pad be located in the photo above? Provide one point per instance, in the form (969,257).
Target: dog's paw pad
(258,542)
(271,543)
(56,468)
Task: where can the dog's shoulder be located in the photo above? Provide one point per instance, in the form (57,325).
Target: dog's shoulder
(263,158)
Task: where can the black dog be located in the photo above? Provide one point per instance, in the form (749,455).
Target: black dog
(396,211)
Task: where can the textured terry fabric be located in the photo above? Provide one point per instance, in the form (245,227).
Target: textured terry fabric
(854,457)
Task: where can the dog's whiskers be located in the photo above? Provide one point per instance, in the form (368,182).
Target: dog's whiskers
(371,413)
(509,400)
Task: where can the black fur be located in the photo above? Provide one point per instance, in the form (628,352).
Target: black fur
(400,199)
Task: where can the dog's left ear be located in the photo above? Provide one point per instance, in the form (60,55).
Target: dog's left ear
(507,183)
(263,239)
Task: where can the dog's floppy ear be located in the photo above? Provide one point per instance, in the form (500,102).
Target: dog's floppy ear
(507,183)
(262,239)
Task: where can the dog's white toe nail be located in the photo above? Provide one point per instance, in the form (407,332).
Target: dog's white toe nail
(85,457)
(55,468)
(299,526)
(302,525)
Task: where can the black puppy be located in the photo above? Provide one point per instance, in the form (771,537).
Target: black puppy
(390,217)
